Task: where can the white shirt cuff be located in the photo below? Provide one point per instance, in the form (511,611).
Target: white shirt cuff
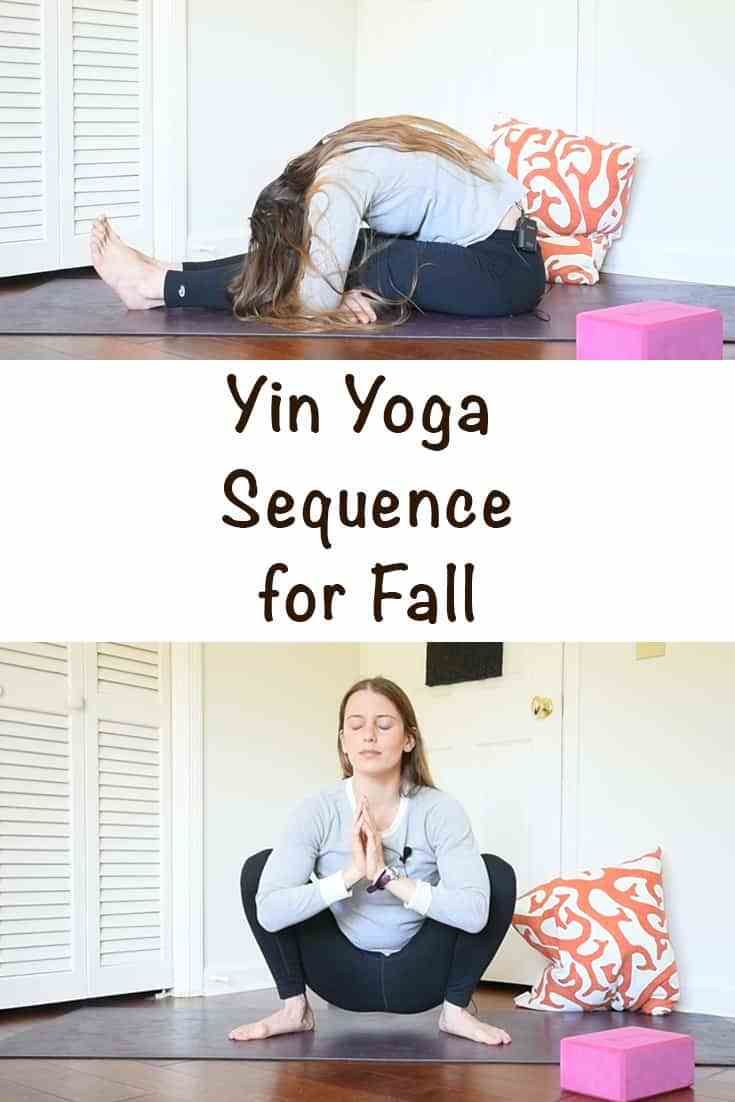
(333,887)
(421,899)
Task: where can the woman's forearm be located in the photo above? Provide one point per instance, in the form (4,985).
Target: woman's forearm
(403,888)
(414,893)
(351,877)
(278,908)
(335,216)
(465,908)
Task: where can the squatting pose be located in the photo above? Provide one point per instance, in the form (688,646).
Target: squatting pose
(376,896)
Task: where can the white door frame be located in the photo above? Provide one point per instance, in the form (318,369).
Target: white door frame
(587,66)
(170,128)
(570,744)
(187,817)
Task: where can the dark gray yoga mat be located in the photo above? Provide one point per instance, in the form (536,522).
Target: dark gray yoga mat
(200,1033)
(79,303)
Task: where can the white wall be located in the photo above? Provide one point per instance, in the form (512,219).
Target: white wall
(465,61)
(270,730)
(657,74)
(661,76)
(654,764)
(649,759)
(265,82)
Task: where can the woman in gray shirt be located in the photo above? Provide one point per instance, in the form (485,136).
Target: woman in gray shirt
(440,234)
(376,896)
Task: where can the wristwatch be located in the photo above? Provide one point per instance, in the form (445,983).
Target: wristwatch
(390,872)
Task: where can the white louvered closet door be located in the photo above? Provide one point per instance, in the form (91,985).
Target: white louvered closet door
(42,891)
(106,122)
(129,816)
(29,136)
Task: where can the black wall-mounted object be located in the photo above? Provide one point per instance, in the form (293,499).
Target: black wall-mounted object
(450,663)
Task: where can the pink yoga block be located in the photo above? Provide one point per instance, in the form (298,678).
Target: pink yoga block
(624,1064)
(650,331)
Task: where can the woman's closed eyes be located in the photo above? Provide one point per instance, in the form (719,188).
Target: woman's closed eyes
(384,723)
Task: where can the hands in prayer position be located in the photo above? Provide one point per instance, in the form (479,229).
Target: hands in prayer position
(368,859)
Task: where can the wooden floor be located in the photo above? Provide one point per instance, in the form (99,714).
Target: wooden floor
(275,348)
(309,1081)
(281,348)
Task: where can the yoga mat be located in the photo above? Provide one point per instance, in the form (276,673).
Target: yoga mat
(71,304)
(200,1033)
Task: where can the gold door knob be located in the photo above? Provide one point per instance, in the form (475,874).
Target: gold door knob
(542,707)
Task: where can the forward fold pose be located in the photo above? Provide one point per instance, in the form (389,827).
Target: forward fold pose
(376,896)
(378,217)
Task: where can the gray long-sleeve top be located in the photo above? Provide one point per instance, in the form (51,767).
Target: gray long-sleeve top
(421,195)
(303,874)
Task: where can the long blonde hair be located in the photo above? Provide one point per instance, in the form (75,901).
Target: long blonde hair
(415,772)
(267,287)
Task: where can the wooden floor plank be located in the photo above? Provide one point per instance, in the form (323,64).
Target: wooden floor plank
(54,1077)
(17,1092)
(276,348)
(361,348)
(28,348)
(138,1078)
(720,1086)
(107,348)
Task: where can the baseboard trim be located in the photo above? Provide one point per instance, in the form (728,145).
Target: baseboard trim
(708,1000)
(207,246)
(670,265)
(225,981)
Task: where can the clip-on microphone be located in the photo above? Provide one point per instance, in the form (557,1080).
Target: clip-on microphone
(526,233)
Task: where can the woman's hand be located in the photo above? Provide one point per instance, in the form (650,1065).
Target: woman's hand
(374,857)
(357,868)
(357,307)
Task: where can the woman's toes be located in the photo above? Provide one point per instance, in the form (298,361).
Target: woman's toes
(499,1037)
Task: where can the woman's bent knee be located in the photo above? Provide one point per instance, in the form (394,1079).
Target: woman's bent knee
(502,878)
(252,871)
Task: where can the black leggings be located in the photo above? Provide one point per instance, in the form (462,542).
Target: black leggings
(439,962)
(489,279)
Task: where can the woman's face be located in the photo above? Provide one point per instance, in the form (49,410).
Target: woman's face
(374,736)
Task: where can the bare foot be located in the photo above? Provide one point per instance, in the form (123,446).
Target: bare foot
(456,1020)
(135,277)
(289,1019)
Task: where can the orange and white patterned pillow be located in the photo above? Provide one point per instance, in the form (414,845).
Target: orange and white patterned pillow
(577,189)
(573,184)
(574,258)
(606,937)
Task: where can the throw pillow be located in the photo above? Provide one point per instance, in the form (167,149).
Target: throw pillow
(605,935)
